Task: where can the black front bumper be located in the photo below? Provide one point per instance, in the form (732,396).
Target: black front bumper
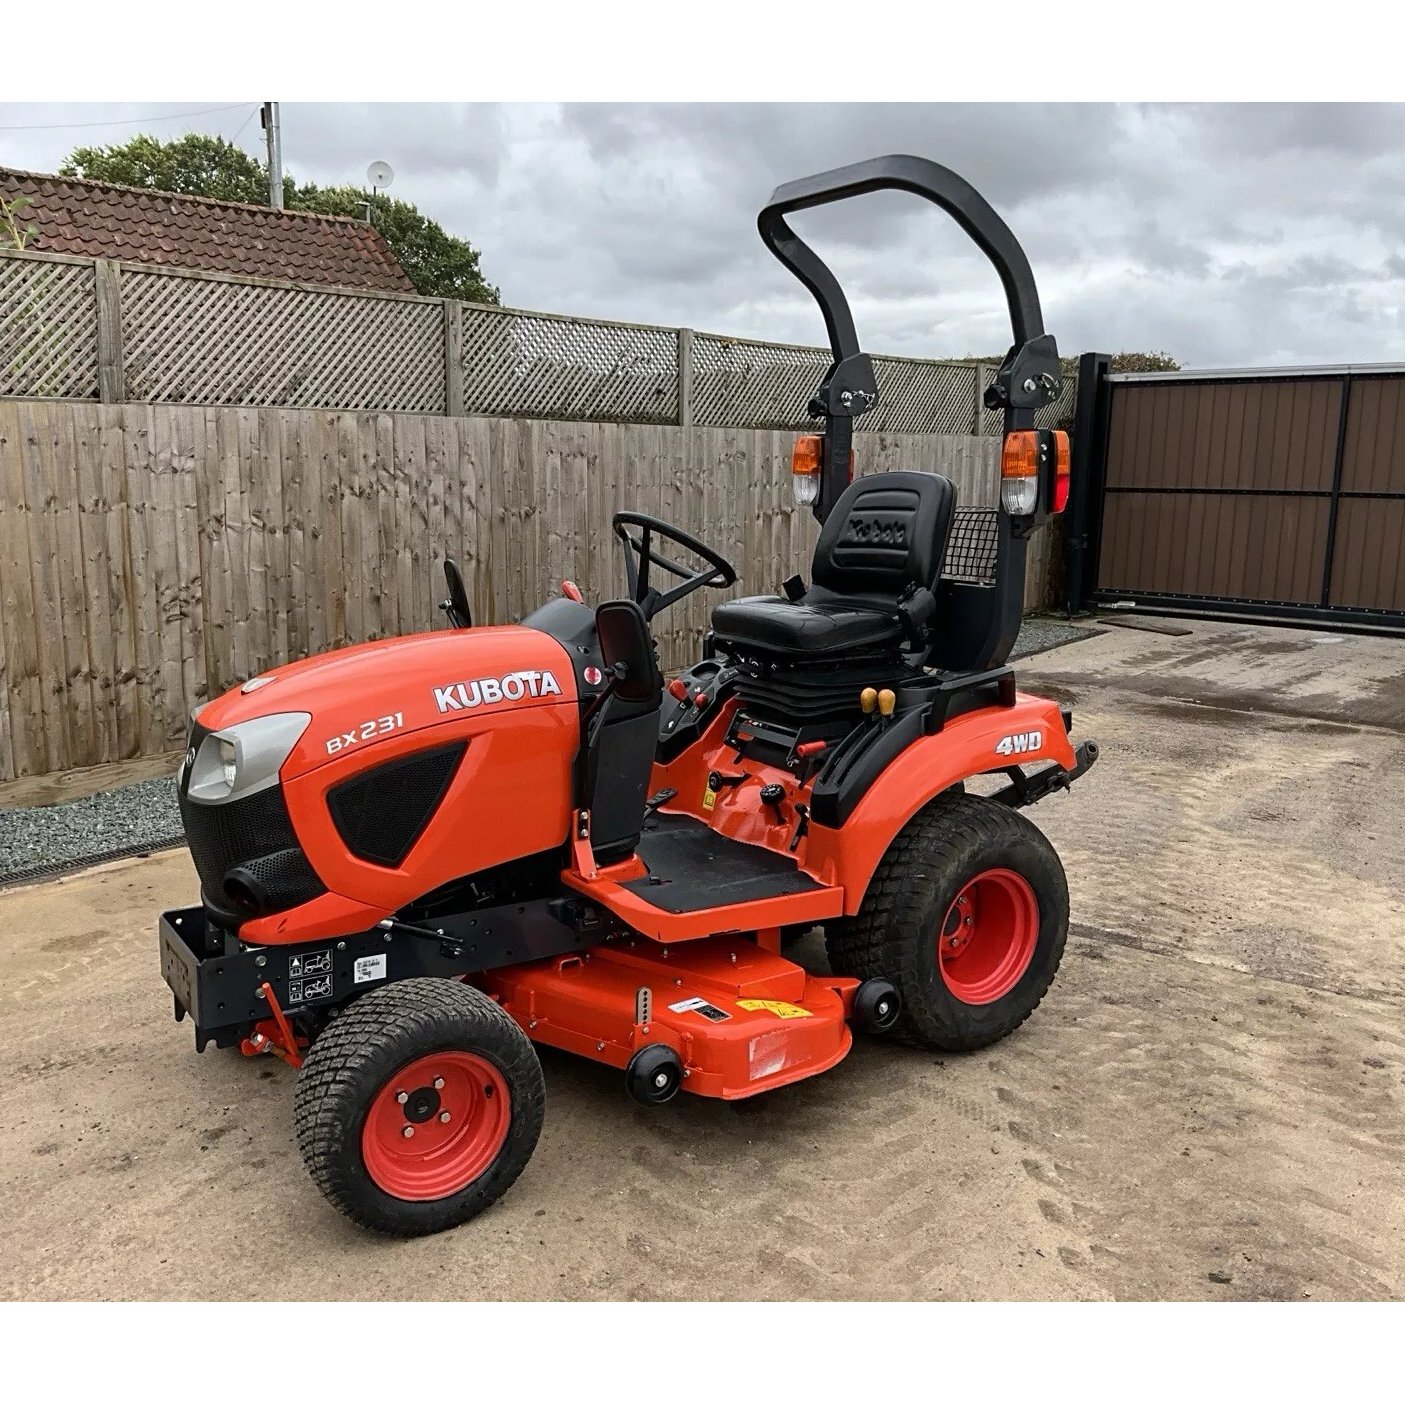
(219,982)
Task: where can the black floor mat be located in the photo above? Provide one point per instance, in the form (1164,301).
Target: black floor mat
(692,867)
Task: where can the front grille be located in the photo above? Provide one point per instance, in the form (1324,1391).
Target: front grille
(803,694)
(255,832)
(382,812)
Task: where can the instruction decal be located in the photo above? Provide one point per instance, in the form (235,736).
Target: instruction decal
(709,798)
(312,963)
(313,988)
(368,968)
(698,1006)
(783,1009)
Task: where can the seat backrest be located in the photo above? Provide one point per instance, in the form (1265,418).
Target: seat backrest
(887,531)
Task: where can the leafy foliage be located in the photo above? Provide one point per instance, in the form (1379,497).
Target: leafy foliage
(12,235)
(438,263)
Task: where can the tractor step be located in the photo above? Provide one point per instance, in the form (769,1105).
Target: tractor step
(742,1020)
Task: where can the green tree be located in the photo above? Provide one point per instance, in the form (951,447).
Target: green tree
(436,262)
(190,165)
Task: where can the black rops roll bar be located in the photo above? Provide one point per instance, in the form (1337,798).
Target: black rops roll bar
(1027,379)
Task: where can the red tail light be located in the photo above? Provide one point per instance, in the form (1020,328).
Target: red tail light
(1062,466)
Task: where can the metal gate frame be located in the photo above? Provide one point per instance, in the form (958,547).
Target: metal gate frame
(1084,522)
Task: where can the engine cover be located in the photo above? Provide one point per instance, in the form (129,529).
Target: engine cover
(493,713)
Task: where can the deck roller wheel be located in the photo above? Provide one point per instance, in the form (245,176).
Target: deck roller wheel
(877,1006)
(653,1075)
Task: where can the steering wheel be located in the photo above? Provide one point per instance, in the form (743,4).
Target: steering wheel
(640,557)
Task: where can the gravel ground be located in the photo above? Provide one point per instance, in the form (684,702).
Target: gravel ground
(112,823)
(143,816)
(1042,633)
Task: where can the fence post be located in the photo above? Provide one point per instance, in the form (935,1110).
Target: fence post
(111,378)
(685,377)
(979,402)
(453,357)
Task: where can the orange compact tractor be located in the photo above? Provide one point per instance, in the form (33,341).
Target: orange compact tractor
(420,857)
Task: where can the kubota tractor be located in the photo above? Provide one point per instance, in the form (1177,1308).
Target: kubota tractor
(420,857)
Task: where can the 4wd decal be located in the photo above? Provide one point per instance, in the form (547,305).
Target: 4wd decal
(511,687)
(1019,742)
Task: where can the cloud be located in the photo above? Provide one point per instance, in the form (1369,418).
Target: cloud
(1227,234)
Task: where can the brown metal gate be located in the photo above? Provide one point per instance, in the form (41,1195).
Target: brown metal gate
(1270,493)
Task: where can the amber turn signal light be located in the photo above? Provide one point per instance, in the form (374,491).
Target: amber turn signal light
(808,454)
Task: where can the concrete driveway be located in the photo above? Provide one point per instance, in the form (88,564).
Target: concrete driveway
(1208,1103)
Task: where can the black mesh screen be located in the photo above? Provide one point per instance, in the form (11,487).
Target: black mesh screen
(254,830)
(382,812)
(971,548)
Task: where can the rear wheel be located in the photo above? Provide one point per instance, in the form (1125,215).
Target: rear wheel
(967,915)
(418,1107)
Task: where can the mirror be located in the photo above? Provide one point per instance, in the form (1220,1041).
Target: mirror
(456,606)
(624,640)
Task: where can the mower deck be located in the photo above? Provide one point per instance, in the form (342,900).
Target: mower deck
(741,1019)
(692,867)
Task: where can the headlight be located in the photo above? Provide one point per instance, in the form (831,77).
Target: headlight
(245,758)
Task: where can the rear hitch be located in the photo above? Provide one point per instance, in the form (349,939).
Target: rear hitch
(1027,790)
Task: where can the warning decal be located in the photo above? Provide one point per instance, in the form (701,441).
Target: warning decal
(783,1009)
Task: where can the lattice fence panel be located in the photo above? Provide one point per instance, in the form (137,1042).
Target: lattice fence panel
(761,385)
(48,329)
(923,397)
(517,363)
(754,384)
(210,342)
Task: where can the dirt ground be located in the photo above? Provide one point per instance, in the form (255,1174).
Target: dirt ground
(1208,1103)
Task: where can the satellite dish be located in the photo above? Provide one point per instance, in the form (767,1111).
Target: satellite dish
(379,174)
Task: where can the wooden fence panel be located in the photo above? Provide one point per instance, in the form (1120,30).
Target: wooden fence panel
(151,556)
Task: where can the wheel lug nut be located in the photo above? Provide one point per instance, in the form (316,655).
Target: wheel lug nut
(408,1132)
(443,1116)
(402,1098)
(438,1082)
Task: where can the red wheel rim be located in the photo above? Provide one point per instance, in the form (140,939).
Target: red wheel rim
(441,1155)
(988,936)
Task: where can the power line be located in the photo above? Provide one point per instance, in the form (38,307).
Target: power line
(125,121)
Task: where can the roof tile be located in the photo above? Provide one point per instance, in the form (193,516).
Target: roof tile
(99,220)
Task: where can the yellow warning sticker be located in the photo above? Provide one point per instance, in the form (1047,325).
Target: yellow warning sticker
(782,1008)
(709,798)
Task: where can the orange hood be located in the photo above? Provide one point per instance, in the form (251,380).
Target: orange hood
(397,686)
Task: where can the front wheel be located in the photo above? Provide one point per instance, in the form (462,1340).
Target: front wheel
(418,1107)
(967,915)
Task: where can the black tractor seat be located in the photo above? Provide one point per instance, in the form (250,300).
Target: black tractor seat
(885,538)
(819,624)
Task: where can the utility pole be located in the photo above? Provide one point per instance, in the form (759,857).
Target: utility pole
(269,117)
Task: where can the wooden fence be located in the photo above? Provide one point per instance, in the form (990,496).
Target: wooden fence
(153,555)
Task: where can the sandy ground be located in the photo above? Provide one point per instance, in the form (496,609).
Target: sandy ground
(1208,1104)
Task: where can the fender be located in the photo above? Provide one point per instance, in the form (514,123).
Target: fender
(989,739)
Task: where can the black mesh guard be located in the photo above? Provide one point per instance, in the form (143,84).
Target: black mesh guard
(972,546)
(381,813)
(249,832)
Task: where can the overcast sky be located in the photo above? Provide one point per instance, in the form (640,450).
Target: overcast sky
(1224,235)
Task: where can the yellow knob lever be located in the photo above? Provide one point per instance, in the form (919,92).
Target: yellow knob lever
(868,699)
(887,701)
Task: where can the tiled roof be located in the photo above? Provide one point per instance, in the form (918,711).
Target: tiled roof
(98,220)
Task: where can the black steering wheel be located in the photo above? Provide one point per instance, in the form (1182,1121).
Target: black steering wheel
(640,557)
